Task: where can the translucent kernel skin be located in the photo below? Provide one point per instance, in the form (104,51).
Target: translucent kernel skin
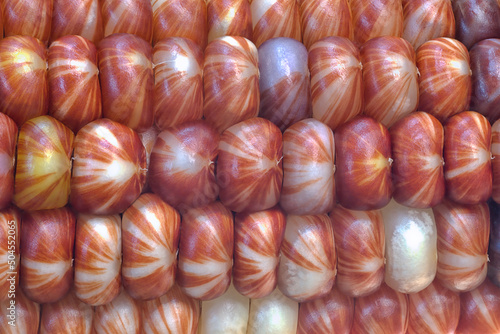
(411,247)
(274,314)
(225,314)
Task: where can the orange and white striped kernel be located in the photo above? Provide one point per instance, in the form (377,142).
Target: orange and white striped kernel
(98,247)
(28,18)
(8,142)
(257,242)
(109,168)
(445,83)
(333,313)
(383,311)
(336,81)
(308,167)
(467,157)
(249,166)
(427,19)
(48,238)
(376,18)
(23,64)
(275,18)
(308,262)
(229,18)
(128,16)
(206,251)
(77,17)
(68,315)
(390,79)
(26,313)
(178,75)
(417,168)
(230,81)
(43,166)
(324,18)
(127,83)
(180,18)
(479,310)
(462,244)
(74,89)
(363,164)
(360,243)
(150,235)
(182,170)
(174,312)
(121,315)
(434,309)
